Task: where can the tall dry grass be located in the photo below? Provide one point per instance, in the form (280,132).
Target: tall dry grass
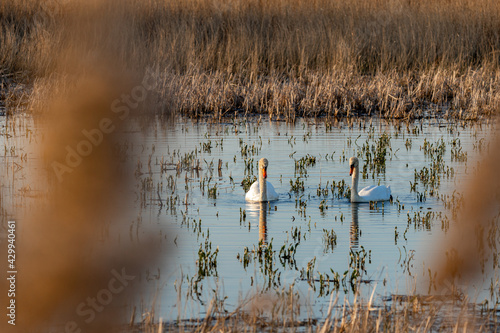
(290,37)
(279,311)
(392,58)
(274,37)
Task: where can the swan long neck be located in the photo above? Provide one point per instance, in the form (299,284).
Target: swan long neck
(354,187)
(262,186)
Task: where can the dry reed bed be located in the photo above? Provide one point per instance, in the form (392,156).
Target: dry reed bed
(392,95)
(434,93)
(287,58)
(402,314)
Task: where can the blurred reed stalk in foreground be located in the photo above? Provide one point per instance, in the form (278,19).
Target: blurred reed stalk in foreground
(68,281)
(471,247)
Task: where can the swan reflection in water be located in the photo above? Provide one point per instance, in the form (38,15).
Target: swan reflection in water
(262,208)
(354,229)
(263,222)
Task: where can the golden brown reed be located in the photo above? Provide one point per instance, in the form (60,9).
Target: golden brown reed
(61,262)
(285,58)
(280,310)
(343,94)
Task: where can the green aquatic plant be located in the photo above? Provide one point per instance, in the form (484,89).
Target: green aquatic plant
(323,206)
(340,189)
(301,205)
(329,282)
(249,162)
(297,186)
(246,258)
(329,240)
(247,151)
(308,272)
(323,191)
(457,154)
(430,176)
(287,254)
(375,155)
(207,260)
(212,192)
(207,146)
(247,182)
(243,215)
(406,263)
(357,259)
(303,163)
(408,144)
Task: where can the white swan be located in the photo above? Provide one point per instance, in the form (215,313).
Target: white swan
(369,193)
(262,190)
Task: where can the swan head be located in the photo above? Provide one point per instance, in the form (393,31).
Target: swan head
(263,167)
(353,164)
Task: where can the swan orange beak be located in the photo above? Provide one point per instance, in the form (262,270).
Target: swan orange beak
(352,170)
(264,172)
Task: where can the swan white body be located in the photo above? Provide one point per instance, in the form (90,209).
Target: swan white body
(261,190)
(253,193)
(369,193)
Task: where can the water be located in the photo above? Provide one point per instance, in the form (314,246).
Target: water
(177,171)
(391,255)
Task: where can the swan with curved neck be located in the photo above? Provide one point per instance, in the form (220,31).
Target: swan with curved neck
(369,193)
(262,190)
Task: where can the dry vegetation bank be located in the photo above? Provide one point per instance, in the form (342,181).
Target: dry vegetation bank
(401,314)
(395,58)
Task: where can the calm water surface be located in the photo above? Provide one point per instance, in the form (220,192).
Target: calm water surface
(195,209)
(180,166)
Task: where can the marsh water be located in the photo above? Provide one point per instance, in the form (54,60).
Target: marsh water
(313,241)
